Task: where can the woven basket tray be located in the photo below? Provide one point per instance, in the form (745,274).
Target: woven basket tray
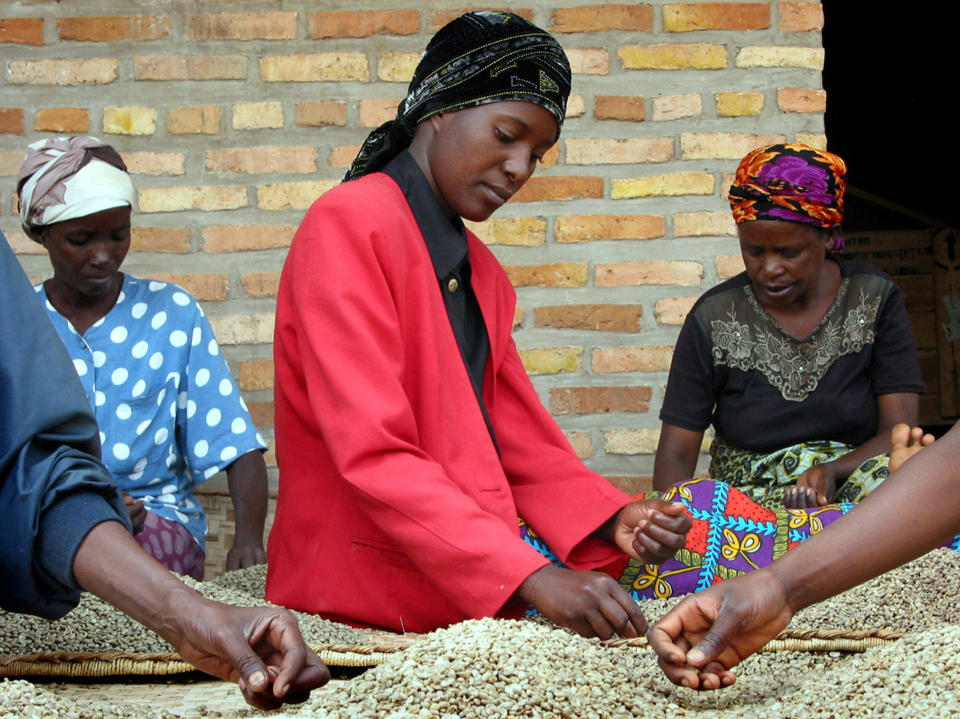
(110,664)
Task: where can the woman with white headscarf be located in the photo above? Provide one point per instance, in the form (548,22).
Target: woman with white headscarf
(169,412)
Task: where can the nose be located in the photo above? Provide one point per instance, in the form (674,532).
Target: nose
(770,265)
(518,166)
(100,254)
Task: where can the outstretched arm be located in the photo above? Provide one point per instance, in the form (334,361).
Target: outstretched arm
(817,486)
(709,633)
(260,648)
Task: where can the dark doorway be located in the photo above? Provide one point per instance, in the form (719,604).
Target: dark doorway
(892,88)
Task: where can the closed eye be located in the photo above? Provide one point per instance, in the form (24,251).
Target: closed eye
(503,136)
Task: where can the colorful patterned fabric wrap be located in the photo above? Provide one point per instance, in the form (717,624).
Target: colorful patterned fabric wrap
(765,476)
(481,57)
(172,545)
(789,183)
(730,535)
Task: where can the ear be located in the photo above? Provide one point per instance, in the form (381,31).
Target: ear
(35,233)
(437,121)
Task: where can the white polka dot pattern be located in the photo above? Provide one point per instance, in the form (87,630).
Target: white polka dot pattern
(166,404)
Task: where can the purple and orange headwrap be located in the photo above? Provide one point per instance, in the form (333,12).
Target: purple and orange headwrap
(789,183)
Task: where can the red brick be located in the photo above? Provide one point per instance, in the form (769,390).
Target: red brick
(623,151)
(619,107)
(21,31)
(589,228)
(716,16)
(271,159)
(62,119)
(190,67)
(646,358)
(93,71)
(440,18)
(238,238)
(255,374)
(673,310)
(603,318)
(801,16)
(728,265)
(801,99)
(11,121)
(160,239)
(649,272)
(322,25)
(155,163)
(203,287)
(321,113)
(242,26)
(194,120)
(262,414)
(599,400)
(560,188)
(597,18)
(582,444)
(344,155)
(589,61)
(375,112)
(555,274)
(114,28)
(260,284)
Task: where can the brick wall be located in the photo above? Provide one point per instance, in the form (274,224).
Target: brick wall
(233,119)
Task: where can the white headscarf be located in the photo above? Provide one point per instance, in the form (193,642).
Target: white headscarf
(64,178)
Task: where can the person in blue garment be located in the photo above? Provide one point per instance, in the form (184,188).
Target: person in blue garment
(169,412)
(65,526)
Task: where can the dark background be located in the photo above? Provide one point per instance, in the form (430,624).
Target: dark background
(892,90)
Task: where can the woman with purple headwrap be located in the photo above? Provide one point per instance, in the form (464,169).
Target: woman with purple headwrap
(803,363)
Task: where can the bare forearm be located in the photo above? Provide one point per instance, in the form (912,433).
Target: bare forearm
(892,409)
(677,454)
(671,468)
(247,480)
(915,510)
(110,564)
(847,464)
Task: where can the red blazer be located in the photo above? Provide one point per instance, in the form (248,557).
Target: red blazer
(394,508)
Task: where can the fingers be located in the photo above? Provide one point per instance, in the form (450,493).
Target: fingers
(655,544)
(299,667)
(801,498)
(659,537)
(636,623)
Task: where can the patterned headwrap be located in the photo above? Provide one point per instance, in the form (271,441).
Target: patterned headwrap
(64,178)
(481,57)
(790,183)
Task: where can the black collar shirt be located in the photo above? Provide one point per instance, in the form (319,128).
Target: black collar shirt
(446,241)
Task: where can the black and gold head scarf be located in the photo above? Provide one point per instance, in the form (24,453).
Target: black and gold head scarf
(481,57)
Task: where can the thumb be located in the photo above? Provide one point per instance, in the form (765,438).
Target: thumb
(724,628)
(252,671)
(674,509)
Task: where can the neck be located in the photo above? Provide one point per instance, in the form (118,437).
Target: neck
(80,309)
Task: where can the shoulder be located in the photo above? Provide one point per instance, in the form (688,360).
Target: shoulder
(719,300)
(866,279)
(855,268)
(368,199)
(147,295)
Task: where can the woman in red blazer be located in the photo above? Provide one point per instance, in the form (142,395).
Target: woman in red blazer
(409,437)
